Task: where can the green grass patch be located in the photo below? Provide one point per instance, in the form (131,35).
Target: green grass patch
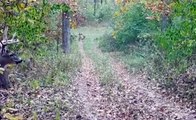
(101,61)
(51,68)
(135,56)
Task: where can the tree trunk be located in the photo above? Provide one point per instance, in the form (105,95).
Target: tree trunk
(65,32)
(95,7)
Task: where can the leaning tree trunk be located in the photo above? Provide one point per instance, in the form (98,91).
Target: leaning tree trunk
(65,32)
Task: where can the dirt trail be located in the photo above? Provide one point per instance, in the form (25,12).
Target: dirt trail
(128,97)
(146,102)
(88,89)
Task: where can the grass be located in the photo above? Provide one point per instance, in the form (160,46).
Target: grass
(52,68)
(101,60)
(135,59)
(135,56)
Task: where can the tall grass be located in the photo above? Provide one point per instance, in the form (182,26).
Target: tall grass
(51,68)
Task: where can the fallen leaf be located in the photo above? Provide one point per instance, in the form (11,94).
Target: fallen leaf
(12,117)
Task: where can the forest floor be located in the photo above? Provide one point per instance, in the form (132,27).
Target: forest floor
(128,96)
(102,89)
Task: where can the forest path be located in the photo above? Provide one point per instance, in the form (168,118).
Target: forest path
(87,85)
(127,97)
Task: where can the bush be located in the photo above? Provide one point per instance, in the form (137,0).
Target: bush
(178,42)
(104,13)
(107,43)
(89,13)
(49,67)
(174,60)
(131,24)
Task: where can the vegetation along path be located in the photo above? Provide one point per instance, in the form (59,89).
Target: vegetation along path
(107,91)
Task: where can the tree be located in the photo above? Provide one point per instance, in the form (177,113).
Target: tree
(66,32)
(95,7)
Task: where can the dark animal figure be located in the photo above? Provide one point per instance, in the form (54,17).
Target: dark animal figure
(81,36)
(5,59)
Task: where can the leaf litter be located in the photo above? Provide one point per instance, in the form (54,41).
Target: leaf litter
(129,97)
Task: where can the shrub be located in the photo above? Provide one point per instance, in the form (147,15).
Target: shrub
(104,13)
(49,67)
(131,24)
(178,42)
(174,61)
(107,43)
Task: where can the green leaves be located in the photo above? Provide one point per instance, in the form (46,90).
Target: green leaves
(62,7)
(178,41)
(131,23)
(28,18)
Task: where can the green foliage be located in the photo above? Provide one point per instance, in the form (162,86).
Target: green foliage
(104,13)
(107,43)
(29,20)
(168,56)
(173,63)
(89,13)
(30,25)
(50,67)
(178,42)
(61,7)
(131,23)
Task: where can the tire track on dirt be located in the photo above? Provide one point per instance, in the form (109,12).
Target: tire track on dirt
(88,89)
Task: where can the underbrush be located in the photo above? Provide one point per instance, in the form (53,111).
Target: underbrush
(170,78)
(135,56)
(107,43)
(130,23)
(49,68)
(102,13)
(174,65)
(40,85)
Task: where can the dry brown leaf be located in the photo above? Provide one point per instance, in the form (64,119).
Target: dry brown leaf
(12,117)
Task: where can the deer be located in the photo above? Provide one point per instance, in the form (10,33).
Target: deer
(7,57)
(81,37)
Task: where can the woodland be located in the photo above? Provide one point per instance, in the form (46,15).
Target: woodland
(97,60)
